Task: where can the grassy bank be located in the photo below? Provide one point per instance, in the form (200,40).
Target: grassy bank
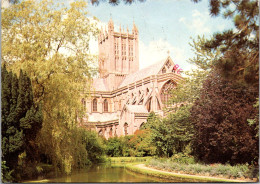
(217,170)
(174,176)
(128,159)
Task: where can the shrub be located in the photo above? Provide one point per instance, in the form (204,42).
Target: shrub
(183,158)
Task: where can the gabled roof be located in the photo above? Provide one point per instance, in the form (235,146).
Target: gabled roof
(99,85)
(102,117)
(146,72)
(136,108)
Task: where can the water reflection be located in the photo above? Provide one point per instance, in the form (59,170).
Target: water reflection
(106,173)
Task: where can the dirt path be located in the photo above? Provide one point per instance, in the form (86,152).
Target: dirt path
(142,166)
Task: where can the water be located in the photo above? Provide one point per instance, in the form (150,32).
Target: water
(104,173)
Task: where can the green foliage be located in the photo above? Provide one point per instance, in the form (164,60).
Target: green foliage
(183,158)
(224,118)
(119,146)
(204,58)
(6,174)
(114,147)
(172,134)
(50,42)
(161,136)
(142,144)
(95,146)
(239,49)
(21,120)
(139,145)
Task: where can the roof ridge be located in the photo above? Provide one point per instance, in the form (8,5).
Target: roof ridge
(143,73)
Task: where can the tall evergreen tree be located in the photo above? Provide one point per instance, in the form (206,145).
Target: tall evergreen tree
(21,118)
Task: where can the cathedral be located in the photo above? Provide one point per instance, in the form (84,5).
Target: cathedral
(123,96)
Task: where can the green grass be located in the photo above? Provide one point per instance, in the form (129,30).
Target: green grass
(174,176)
(227,170)
(128,159)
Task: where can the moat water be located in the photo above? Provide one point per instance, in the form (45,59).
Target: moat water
(103,173)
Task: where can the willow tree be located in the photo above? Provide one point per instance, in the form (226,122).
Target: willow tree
(50,42)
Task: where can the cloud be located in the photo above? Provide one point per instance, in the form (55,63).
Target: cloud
(150,53)
(198,22)
(156,51)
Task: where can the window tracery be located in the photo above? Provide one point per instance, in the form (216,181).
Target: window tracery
(168,64)
(105,105)
(166,91)
(94,105)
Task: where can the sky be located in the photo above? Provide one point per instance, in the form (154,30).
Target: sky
(164,25)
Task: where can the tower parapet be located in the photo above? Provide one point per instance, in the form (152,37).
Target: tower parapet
(118,54)
(110,25)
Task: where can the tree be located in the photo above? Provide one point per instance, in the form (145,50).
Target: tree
(188,90)
(218,114)
(172,134)
(115,2)
(239,49)
(21,120)
(142,143)
(50,42)
(220,120)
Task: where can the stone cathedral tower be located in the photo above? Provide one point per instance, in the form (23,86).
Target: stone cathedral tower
(123,95)
(118,54)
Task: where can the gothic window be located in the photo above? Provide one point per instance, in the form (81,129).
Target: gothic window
(116,48)
(124,49)
(94,105)
(168,64)
(163,70)
(131,50)
(125,128)
(105,105)
(166,91)
(148,105)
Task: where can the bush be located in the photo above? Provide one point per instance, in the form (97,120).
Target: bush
(183,158)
